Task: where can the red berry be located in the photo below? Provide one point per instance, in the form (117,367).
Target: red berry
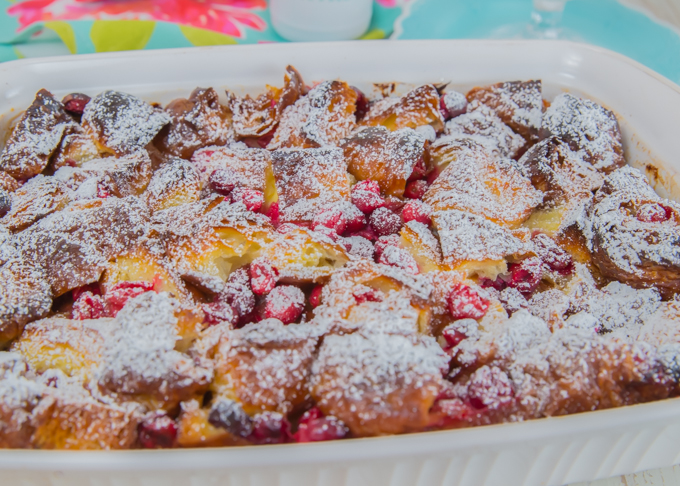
(551,254)
(264,140)
(270,428)
(433,175)
(526,275)
(367,201)
(93,288)
(75,103)
(384,222)
(252,199)
(419,170)
(88,306)
(118,295)
(453,337)
(218,312)
(452,104)
(331,218)
(263,276)
(416,189)
(315,296)
(223,181)
(157,432)
(654,213)
(385,241)
(400,258)
(103,191)
(311,414)
(499,284)
(238,293)
(362,104)
(367,185)
(367,233)
(394,204)
(489,388)
(313,427)
(367,294)
(356,221)
(273,213)
(229,415)
(285,303)
(417,211)
(465,303)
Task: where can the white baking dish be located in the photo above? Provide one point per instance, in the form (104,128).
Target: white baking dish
(542,452)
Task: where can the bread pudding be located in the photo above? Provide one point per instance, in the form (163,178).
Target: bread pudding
(317,264)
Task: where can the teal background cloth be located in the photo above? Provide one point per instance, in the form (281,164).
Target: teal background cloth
(606,23)
(33,28)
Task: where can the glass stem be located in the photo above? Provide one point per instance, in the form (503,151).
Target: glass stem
(547,16)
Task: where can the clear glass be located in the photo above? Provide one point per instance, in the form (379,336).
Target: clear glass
(545,23)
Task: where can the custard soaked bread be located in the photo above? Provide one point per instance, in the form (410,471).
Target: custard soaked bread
(315,263)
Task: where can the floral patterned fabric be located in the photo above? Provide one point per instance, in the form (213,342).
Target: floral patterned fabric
(85,26)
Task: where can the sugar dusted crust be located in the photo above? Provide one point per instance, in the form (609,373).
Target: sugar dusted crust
(310,264)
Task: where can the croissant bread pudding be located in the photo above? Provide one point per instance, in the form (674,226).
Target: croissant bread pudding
(310,265)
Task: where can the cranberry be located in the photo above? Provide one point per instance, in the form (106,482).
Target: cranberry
(118,295)
(499,284)
(270,428)
(453,337)
(315,296)
(285,303)
(400,258)
(433,175)
(394,204)
(416,189)
(331,218)
(88,306)
(385,241)
(654,213)
(314,427)
(452,104)
(264,140)
(238,293)
(384,222)
(93,288)
(526,275)
(273,213)
(157,432)
(311,414)
(223,181)
(218,312)
(465,303)
(75,103)
(103,191)
(252,199)
(419,170)
(229,415)
(367,294)
(367,233)
(356,220)
(362,104)
(417,211)
(367,201)
(489,388)
(287,228)
(263,276)
(367,185)
(5,202)
(551,254)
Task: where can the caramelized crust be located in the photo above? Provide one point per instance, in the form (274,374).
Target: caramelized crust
(418,107)
(518,103)
(322,117)
(307,180)
(121,123)
(35,137)
(386,157)
(482,185)
(259,116)
(197,122)
(34,200)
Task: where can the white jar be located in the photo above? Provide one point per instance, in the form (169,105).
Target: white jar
(320,20)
